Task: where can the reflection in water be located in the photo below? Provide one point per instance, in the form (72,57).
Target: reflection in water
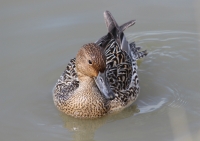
(179,124)
(84,129)
(178,99)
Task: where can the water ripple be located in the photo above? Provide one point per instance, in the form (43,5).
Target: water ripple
(178,99)
(165,74)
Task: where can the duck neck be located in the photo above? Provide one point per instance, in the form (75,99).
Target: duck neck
(86,79)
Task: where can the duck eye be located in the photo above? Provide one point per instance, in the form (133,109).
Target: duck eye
(90,62)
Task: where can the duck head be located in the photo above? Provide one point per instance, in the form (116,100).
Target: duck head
(91,64)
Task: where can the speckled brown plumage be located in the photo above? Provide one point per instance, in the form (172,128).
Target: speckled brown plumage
(86,102)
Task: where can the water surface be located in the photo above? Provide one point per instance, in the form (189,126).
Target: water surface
(38,38)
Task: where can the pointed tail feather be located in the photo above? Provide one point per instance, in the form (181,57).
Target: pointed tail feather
(116,32)
(110,21)
(127,25)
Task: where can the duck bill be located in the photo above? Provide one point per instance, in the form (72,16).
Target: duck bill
(103,86)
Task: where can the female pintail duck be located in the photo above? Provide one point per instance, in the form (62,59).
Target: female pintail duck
(103,76)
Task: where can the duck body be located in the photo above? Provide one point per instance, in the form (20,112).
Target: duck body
(86,101)
(78,94)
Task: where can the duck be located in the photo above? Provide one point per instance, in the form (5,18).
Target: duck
(103,77)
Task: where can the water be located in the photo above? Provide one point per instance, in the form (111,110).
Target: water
(38,38)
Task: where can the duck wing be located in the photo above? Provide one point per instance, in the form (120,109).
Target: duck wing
(67,83)
(121,62)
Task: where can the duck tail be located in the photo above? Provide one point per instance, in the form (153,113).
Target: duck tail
(111,23)
(127,25)
(116,32)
